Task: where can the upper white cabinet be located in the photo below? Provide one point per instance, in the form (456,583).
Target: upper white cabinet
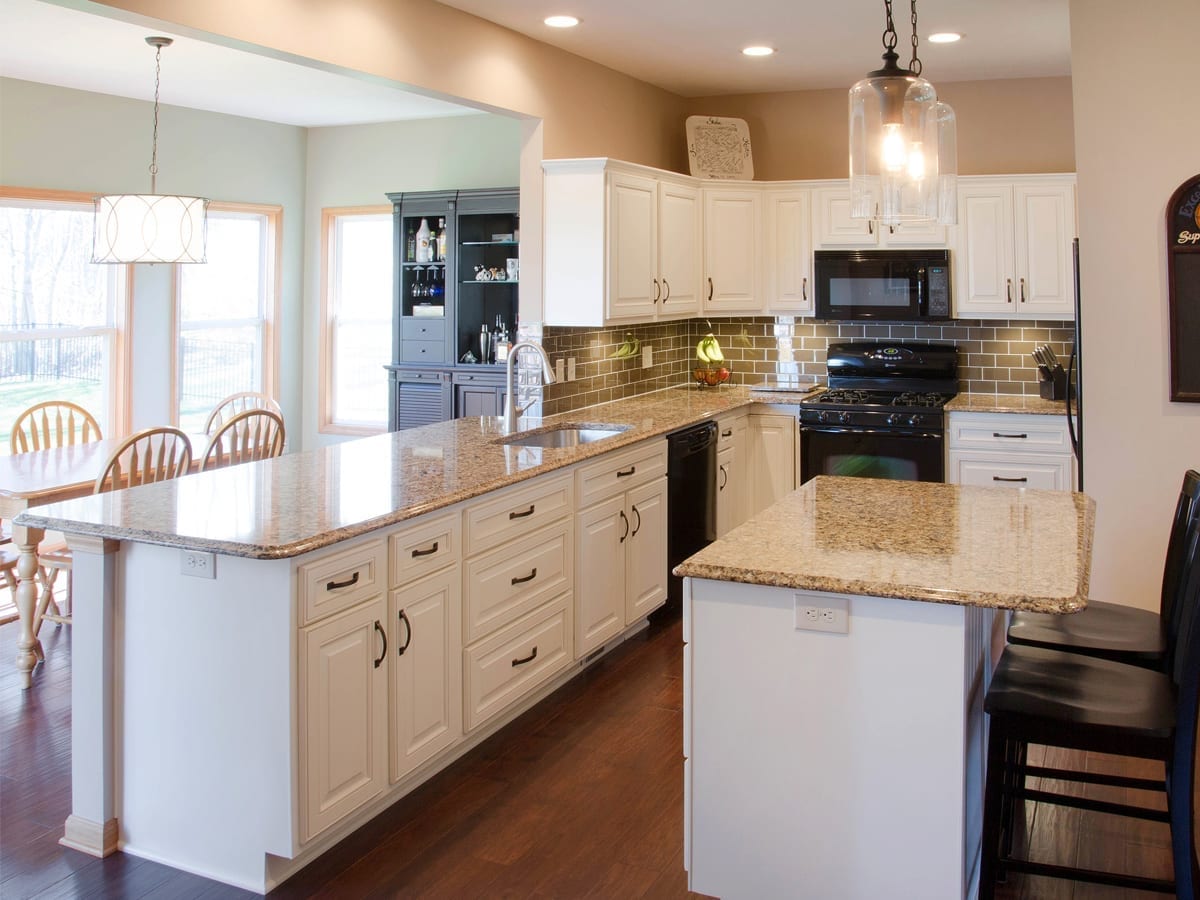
(1013,247)
(833,226)
(789,251)
(622,244)
(732,247)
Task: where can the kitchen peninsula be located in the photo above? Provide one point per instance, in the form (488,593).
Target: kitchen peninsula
(838,653)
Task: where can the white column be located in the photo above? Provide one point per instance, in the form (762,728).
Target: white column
(92,825)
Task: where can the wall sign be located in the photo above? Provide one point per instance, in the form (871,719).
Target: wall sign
(1183,290)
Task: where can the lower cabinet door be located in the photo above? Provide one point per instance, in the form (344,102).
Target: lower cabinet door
(426,664)
(600,534)
(343,722)
(726,487)
(646,550)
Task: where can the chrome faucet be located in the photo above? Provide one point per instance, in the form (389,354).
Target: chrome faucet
(511,411)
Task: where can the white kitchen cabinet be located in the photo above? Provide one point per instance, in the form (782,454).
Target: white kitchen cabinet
(789,252)
(833,227)
(772,458)
(426,669)
(1013,247)
(343,715)
(622,243)
(621,543)
(733,484)
(732,250)
(1009,450)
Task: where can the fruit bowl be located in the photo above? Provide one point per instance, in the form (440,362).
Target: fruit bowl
(710,376)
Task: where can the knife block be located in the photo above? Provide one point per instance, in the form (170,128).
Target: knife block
(1054,387)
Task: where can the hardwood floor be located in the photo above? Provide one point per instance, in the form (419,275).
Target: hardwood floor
(581,797)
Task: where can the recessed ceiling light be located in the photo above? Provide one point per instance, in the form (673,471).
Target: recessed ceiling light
(758,51)
(561,21)
(945,37)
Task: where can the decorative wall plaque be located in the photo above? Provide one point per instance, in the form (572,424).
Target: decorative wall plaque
(719,148)
(1183,290)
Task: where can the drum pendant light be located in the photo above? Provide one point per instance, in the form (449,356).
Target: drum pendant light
(150,228)
(903,152)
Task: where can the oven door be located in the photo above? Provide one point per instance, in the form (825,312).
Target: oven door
(896,455)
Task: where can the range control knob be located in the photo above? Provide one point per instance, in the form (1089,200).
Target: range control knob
(822,416)
(895,419)
(914,420)
(844,418)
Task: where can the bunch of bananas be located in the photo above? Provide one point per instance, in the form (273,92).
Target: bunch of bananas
(708,351)
(628,347)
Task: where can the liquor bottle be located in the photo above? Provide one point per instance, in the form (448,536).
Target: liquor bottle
(441,241)
(410,253)
(424,251)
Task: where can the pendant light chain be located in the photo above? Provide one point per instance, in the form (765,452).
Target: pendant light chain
(914,64)
(154,146)
(889,33)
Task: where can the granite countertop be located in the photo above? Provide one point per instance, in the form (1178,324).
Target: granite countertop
(299,502)
(943,543)
(1006,403)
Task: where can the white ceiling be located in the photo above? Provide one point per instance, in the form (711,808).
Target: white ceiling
(693,47)
(690,47)
(51,44)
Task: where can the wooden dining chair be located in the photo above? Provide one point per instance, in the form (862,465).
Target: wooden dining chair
(238,403)
(247,436)
(54,423)
(154,454)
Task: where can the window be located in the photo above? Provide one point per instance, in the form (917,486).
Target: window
(356,329)
(226,310)
(61,316)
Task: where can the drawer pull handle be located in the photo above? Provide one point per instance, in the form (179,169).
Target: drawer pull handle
(1021,480)
(532,575)
(408,634)
(338,585)
(1022,290)
(1000,434)
(625,519)
(638,526)
(382,634)
(667,288)
(724,478)
(657,291)
(804,288)
(530,658)
(521,515)
(428,552)
(728,432)
(1008,288)
(626,472)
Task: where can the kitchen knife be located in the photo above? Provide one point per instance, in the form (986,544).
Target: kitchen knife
(1051,355)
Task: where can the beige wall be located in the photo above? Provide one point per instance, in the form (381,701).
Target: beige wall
(803,134)
(589,110)
(1137,139)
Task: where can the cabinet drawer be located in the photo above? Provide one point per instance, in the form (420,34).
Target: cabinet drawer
(1024,471)
(500,669)
(617,472)
(730,429)
(511,580)
(1012,433)
(337,581)
(517,512)
(422,351)
(423,329)
(424,548)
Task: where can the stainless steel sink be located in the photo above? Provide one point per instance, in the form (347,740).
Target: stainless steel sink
(564,435)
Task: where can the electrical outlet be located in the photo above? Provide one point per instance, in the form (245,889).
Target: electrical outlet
(560,369)
(833,615)
(570,368)
(647,356)
(197,564)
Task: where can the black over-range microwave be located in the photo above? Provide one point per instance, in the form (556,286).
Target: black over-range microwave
(882,285)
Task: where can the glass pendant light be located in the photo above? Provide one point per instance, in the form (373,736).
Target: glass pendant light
(903,152)
(150,228)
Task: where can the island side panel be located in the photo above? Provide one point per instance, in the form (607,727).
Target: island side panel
(206,693)
(823,765)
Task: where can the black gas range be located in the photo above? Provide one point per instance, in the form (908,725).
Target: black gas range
(882,415)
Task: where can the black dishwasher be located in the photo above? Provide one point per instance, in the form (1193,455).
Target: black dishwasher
(691,497)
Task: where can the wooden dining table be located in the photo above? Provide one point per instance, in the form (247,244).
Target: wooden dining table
(35,479)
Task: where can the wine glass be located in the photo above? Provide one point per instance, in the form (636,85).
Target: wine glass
(415,291)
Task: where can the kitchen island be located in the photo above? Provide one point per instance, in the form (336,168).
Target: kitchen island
(266,656)
(838,652)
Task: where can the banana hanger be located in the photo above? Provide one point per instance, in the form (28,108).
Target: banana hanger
(628,347)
